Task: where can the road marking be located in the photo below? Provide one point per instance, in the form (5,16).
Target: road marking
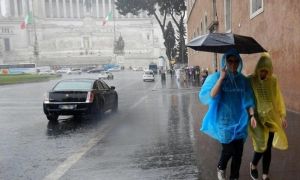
(138,102)
(68,163)
(155,86)
(73,159)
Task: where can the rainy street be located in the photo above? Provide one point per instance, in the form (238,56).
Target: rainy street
(152,136)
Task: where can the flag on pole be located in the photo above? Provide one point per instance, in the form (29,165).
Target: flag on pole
(107,18)
(27,20)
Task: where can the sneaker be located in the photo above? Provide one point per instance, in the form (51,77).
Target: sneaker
(253,173)
(265,177)
(221,174)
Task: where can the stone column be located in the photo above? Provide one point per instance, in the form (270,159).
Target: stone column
(24,10)
(57,8)
(84,9)
(64,8)
(0,17)
(43,8)
(30,5)
(78,9)
(51,8)
(109,5)
(97,9)
(16,8)
(71,8)
(103,8)
(7,4)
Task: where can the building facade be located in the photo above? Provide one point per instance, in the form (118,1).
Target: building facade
(274,24)
(75,32)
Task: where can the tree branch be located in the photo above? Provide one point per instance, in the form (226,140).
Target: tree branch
(162,25)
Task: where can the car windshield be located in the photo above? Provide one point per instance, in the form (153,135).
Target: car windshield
(149,73)
(73,85)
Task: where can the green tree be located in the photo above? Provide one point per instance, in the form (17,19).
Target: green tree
(181,48)
(170,41)
(135,7)
(175,8)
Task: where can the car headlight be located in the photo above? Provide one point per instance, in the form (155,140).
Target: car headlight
(46,97)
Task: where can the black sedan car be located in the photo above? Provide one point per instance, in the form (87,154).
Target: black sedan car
(80,97)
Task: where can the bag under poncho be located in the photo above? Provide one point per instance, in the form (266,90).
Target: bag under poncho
(227,116)
(270,108)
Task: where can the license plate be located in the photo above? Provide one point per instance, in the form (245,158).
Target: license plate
(67,106)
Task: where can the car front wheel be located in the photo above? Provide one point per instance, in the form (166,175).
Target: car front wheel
(115,106)
(52,117)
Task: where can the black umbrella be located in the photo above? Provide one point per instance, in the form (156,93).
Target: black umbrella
(222,42)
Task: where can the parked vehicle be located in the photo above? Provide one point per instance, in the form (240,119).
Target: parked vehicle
(80,97)
(63,70)
(96,70)
(74,71)
(48,72)
(148,76)
(118,68)
(106,75)
(87,68)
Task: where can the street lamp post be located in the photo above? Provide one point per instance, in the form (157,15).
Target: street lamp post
(35,44)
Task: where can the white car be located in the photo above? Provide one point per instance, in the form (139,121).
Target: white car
(48,72)
(148,76)
(63,70)
(105,75)
(74,71)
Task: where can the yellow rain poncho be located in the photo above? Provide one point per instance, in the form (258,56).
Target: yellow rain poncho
(270,108)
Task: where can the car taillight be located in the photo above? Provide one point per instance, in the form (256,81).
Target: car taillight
(46,98)
(90,97)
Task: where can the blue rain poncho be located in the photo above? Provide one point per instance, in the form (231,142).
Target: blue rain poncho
(227,116)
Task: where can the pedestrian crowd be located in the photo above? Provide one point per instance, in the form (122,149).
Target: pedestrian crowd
(191,74)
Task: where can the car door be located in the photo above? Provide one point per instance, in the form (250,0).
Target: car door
(104,92)
(110,93)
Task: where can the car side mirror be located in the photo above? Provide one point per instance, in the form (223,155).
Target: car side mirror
(112,87)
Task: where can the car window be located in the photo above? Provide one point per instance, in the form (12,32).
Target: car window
(73,85)
(148,73)
(99,85)
(104,85)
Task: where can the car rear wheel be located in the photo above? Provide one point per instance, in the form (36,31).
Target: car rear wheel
(52,117)
(97,110)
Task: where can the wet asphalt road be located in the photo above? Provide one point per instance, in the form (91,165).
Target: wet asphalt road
(152,136)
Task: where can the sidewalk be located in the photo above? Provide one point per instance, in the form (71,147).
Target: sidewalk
(285,165)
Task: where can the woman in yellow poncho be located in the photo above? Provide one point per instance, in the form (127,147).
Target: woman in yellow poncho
(270,115)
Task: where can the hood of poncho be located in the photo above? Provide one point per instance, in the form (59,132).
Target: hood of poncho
(235,53)
(264,63)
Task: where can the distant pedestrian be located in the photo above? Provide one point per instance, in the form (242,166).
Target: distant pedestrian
(204,75)
(231,102)
(270,113)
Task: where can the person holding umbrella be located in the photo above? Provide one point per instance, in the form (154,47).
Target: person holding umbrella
(231,105)
(270,113)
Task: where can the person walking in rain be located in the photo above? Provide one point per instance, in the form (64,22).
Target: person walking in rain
(270,113)
(231,104)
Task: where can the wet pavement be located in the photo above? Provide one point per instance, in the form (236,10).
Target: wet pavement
(154,141)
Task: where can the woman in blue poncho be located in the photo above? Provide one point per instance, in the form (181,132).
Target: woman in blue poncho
(231,102)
